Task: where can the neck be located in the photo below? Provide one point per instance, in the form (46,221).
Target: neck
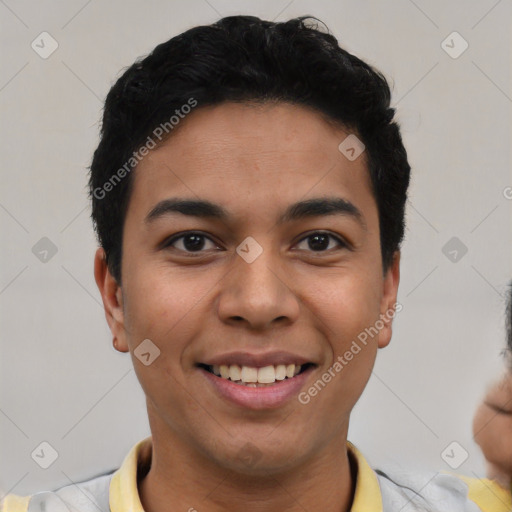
(499,476)
(190,481)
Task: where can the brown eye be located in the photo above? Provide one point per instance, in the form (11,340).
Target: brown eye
(189,242)
(320,242)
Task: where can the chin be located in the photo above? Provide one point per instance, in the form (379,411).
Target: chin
(259,459)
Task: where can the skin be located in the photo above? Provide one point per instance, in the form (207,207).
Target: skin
(492,429)
(253,160)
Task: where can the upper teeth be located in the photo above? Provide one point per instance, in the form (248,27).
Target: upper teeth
(265,375)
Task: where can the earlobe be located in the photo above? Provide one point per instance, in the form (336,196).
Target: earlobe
(111,295)
(388,306)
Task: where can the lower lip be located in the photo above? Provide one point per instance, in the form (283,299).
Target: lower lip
(265,397)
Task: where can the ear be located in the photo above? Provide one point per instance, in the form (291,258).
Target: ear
(388,305)
(112,296)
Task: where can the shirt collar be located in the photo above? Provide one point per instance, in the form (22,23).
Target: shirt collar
(367,495)
(124,495)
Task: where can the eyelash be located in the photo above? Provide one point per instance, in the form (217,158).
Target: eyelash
(168,243)
(499,410)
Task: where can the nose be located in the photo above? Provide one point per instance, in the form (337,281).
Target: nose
(258,294)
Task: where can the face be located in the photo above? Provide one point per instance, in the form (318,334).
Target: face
(492,428)
(247,281)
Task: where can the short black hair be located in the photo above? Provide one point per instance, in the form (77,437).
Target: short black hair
(246,59)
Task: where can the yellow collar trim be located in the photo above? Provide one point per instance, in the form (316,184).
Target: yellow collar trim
(124,495)
(488,494)
(367,495)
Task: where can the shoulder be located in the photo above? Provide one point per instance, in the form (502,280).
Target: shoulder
(442,492)
(87,496)
(488,494)
(420,490)
(117,486)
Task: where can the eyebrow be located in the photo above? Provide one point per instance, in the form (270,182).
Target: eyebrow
(321,206)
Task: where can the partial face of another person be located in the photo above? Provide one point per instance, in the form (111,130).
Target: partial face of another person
(252,281)
(492,428)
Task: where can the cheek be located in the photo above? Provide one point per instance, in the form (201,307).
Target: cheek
(349,301)
(164,309)
(161,310)
(348,310)
(493,433)
(161,302)
(333,395)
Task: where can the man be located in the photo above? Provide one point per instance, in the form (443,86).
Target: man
(248,195)
(492,424)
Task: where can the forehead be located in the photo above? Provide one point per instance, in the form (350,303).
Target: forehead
(249,153)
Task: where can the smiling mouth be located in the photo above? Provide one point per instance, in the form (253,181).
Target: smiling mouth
(249,376)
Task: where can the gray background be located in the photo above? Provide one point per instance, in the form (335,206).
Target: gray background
(61,380)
